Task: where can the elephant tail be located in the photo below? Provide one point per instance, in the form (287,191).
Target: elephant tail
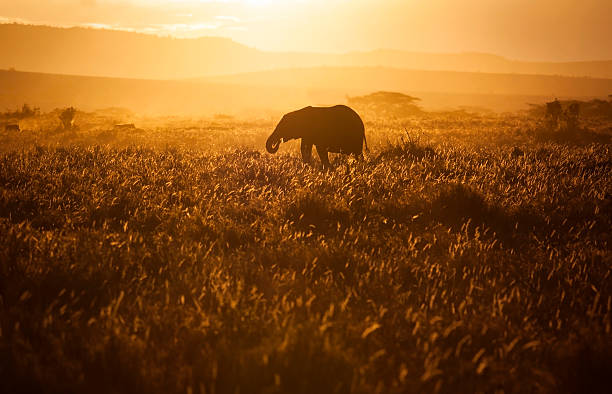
(366,143)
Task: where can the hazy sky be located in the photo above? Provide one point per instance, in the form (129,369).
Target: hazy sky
(519,29)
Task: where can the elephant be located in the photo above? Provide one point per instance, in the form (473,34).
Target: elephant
(337,129)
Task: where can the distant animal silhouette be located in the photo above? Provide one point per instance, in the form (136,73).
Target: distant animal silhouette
(336,129)
(553,112)
(12,127)
(67,118)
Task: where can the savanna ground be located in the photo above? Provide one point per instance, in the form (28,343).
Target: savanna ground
(464,254)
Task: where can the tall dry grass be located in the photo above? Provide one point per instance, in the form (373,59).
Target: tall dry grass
(465,257)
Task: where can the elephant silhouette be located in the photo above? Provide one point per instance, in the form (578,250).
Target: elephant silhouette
(336,129)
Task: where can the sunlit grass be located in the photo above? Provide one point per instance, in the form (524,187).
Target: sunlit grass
(460,256)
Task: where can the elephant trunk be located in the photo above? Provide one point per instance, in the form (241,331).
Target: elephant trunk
(273,143)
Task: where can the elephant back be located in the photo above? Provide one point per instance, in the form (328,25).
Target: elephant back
(340,129)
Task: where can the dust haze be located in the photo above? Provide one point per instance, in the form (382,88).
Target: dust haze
(305,196)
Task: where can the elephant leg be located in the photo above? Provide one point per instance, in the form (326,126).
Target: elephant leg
(306,149)
(322,152)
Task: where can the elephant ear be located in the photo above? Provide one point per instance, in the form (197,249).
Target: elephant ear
(305,122)
(292,125)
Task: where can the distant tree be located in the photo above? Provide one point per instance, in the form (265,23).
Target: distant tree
(25,112)
(571,111)
(67,118)
(597,108)
(386,104)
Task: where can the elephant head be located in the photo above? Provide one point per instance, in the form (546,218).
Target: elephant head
(290,127)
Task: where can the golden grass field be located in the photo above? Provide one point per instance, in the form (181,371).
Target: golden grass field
(465,254)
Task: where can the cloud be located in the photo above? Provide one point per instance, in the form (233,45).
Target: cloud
(4,19)
(228,18)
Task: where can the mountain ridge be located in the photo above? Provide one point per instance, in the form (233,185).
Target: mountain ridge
(406,80)
(292,89)
(115,53)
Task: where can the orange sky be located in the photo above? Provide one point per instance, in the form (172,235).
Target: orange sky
(520,29)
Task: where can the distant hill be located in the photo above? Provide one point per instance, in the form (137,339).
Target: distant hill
(85,51)
(380,78)
(81,51)
(474,62)
(153,97)
(257,93)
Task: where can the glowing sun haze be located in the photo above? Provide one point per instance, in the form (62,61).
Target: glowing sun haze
(520,29)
